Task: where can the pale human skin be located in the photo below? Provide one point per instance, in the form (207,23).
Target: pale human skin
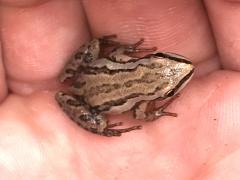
(38,141)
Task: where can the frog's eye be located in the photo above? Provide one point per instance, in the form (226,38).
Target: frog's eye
(175,90)
(170,93)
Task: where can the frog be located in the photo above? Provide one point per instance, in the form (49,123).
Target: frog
(119,81)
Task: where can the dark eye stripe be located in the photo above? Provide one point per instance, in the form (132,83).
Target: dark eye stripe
(183,80)
(171,57)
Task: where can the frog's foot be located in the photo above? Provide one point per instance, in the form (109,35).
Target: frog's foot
(118,132)
(125,48)
(147,111)
(159,112)
(134,48)
(114,124)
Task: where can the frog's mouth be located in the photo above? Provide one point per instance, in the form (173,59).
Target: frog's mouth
(182,83)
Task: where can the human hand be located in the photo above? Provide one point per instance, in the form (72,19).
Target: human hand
(38,141)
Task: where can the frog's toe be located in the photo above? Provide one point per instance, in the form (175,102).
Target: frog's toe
(115,124)
(111,132)
(118,132)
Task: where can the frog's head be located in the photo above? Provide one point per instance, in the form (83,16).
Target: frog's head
(176,70)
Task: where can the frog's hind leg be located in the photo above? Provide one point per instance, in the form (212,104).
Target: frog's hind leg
(108,131)
(147,111)
(114,124)
(74,108)
(85,54)
(78,111)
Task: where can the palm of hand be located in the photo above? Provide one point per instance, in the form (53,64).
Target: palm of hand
(37,139)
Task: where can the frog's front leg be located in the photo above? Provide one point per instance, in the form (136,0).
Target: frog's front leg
(146,110)
(121,52)
(78,111)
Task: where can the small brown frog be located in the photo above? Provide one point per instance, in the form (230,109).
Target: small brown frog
(119,82)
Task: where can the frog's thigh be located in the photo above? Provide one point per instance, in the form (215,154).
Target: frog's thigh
(86,53)
(72,106)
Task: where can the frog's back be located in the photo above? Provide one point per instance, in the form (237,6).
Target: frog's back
(117,86)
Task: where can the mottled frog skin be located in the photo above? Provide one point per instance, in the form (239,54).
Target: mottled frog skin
(118,82)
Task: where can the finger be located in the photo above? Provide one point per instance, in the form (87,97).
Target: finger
(37,40)
(224,17)
(167,24)
(3,85)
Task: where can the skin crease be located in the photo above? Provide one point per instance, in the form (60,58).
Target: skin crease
(38,141)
